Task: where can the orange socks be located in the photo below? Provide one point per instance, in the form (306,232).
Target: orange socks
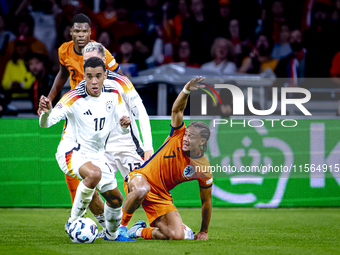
(72,184)
(146,233)
(126,218)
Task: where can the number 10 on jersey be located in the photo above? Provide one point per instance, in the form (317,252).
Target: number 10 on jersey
(98,125)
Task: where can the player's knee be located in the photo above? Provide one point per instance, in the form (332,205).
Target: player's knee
(116,202)
(94,175)
(176,235)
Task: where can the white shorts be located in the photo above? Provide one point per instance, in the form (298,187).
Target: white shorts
(71,159)
(124,161)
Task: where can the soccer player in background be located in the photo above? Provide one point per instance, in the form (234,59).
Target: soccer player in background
(71,65)
(92,109)
(181,158)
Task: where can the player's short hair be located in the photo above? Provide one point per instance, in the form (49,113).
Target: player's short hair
(80,18)
(94,62)
(92,46)
(204,132)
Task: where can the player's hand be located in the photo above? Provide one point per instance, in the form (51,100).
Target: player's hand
(39,112)
(201,236)
(45,104)
(125,121)
(147,155)
(193,84)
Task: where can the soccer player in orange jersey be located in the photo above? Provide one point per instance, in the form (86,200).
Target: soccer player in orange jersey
(71,65)
(181,158)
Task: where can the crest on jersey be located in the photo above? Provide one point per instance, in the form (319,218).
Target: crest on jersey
(109,106)
(59,105)
(189,171)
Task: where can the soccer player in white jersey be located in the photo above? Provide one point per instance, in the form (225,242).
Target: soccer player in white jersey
(92,109)
(123,153)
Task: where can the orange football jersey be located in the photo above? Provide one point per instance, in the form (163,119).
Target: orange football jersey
(73,61)
(170,166)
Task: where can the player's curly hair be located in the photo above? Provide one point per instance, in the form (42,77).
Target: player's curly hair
(204,132)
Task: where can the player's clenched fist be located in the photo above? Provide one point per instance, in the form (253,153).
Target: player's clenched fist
(45,104)
(125,121)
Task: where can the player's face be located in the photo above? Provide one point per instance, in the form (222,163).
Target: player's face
(80,33)
(91,54)
(94,80)
(192,140)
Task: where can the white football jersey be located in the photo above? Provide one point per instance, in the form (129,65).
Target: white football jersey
(135,109)
(92,118)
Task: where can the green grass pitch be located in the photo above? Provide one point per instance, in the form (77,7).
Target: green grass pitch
(232,231)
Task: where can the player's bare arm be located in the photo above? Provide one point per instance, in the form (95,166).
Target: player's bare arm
(181,101)
(59,82)
(206,201)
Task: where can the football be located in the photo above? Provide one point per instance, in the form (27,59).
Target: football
(188,234)
(83,230)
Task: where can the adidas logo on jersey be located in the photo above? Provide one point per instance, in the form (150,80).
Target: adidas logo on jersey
(88,113)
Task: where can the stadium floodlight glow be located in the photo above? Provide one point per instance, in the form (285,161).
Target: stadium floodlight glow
(238,100)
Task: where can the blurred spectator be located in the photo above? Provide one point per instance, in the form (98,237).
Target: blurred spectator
(320,41)
(294,65)
(128,59)
(37,65)
(307,14)
(222,53)
(106,39)
(275,18)
(141,46)
(147,19)
(282,49)
(336,12)
(17,80)
(123,26)
(24,30)
(184,54)
(260,58)
(198,31)
(241,42)
(183,13)
(223,18)
(64,34)
(107,14)
(5,38)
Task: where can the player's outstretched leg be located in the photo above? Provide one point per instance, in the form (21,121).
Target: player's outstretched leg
(113,215)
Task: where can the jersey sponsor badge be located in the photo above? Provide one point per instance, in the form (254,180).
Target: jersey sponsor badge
(189,171)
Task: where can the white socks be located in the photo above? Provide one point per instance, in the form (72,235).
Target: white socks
(113,217)
(101,220)
(81,201)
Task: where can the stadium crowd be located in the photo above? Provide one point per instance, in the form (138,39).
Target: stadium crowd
(295,39)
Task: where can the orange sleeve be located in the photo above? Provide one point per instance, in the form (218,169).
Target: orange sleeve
(335,69)
(177,131)
(111,63)
(61,53)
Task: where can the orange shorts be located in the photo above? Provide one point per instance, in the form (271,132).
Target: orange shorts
(154,205)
